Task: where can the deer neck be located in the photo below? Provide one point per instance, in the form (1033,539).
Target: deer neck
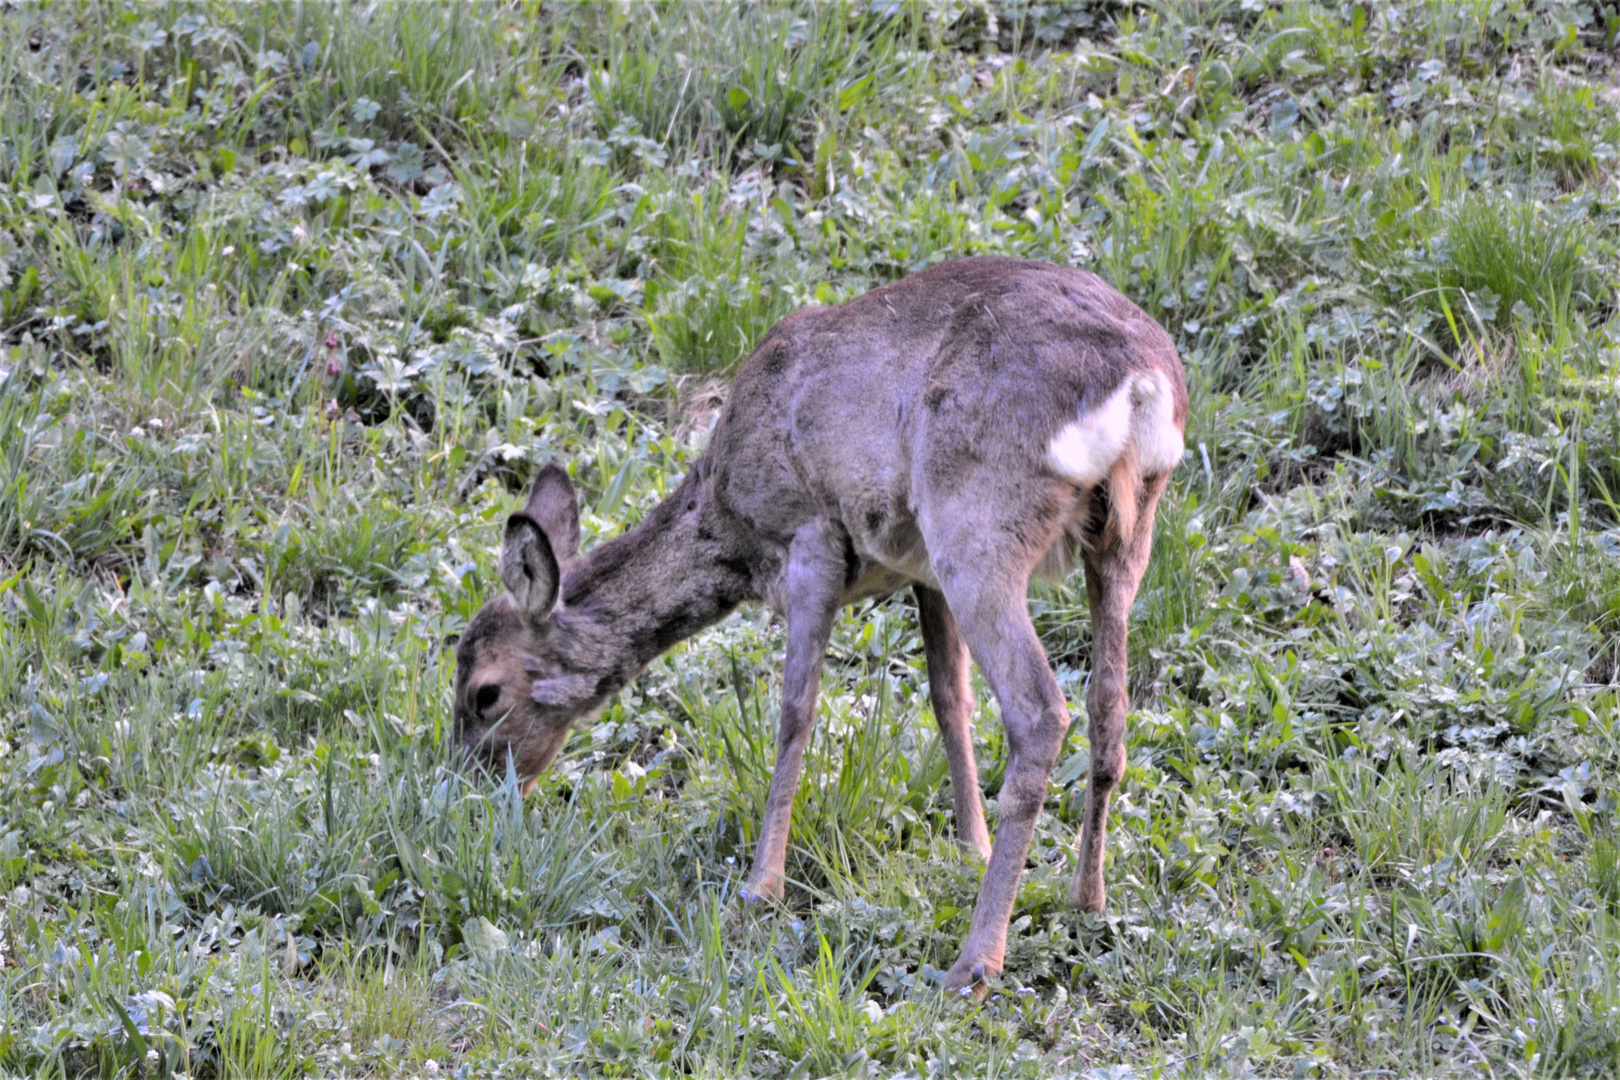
(633,597)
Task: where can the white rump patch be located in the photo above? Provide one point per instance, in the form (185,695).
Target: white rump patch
(1153,429)
(1139,414)
(1087,448)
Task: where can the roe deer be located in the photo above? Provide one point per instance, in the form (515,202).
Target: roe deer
(958,431)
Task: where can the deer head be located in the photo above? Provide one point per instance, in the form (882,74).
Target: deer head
(521,677)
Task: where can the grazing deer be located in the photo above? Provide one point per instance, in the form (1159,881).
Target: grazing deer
(957,432)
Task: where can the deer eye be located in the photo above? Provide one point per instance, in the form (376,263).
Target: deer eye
(487,696)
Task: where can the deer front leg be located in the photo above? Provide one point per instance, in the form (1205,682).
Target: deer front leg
(950,688)
(814,583)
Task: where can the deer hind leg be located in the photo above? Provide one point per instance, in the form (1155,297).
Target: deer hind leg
(983,567)
(950,688)
(1114,568)
(814,585)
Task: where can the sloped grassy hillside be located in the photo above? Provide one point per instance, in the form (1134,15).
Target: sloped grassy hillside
(295,298)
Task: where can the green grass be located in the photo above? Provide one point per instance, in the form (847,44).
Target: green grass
(294,300)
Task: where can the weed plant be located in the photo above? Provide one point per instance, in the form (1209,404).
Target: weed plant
(295,299)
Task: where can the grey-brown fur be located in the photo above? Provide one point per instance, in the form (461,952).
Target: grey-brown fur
(900,439)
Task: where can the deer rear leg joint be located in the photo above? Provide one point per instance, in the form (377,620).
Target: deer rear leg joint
(1035,717)
(1112,578)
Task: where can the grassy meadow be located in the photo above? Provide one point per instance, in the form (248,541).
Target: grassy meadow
(296,298)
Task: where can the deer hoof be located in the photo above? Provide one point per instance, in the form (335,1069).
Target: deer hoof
(1089,895)
(767,891)
(971,849)
(968,982)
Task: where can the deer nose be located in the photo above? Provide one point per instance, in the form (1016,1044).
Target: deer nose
(470,739)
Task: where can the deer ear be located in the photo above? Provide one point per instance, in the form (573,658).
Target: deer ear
(528,568)
(554,506)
